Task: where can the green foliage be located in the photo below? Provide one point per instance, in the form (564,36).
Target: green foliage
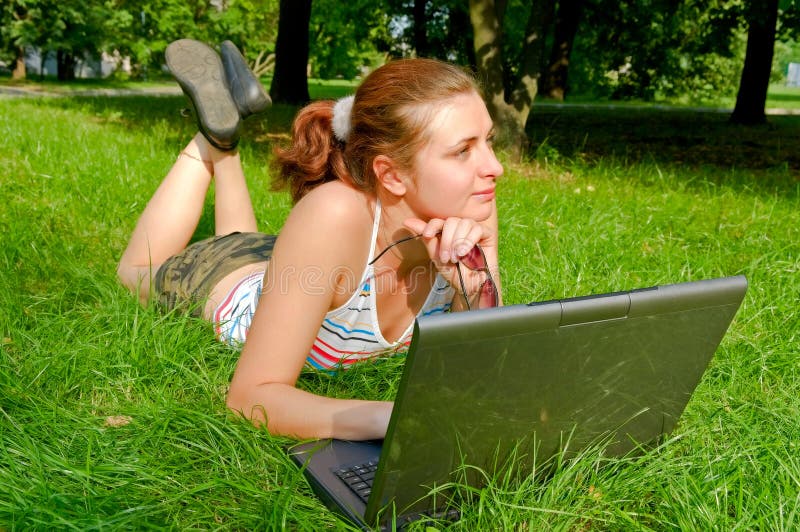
(140,29)
(345,36)
(680,50)
(659,49)
(153,24)
(70,27)
(785,53)
(447,27)
(251,24)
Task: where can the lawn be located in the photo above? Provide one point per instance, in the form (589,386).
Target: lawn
(112,415)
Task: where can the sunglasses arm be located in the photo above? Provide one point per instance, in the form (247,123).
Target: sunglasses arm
(483,298)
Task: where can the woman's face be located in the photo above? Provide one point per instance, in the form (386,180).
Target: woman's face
(454,173)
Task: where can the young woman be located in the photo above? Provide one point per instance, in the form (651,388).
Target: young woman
(395,218)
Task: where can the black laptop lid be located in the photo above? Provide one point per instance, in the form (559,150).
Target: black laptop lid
(618,367)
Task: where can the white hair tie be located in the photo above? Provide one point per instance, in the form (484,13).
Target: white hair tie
(341,117)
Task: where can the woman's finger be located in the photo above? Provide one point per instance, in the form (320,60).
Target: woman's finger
(468,242)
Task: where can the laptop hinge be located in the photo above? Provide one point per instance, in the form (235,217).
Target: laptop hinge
(591,309)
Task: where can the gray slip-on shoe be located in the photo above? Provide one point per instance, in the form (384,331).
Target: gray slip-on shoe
(246,89)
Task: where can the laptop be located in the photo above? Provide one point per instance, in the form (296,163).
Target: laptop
(528,382)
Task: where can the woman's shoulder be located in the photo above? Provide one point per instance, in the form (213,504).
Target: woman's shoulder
(333,214)
(337,206)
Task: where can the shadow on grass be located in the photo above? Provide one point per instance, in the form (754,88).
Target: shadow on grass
(146,112)
(626,137)
(693,139)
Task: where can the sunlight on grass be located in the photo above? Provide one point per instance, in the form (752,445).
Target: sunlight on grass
(112,415)
(783,96)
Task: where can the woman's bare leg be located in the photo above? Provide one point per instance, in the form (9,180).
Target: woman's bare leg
(171,216)
(233,208)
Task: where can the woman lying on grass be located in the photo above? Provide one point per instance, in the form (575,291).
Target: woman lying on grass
(395,218)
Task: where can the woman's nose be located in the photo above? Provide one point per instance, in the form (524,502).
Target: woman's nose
(490,166)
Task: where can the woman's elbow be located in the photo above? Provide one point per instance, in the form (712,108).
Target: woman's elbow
(241,401)
(237,400)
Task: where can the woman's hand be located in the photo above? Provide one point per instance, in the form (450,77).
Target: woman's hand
(449,241)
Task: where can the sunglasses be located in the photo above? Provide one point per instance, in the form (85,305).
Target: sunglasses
(475,261)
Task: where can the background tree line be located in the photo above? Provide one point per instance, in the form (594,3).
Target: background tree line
(689,50)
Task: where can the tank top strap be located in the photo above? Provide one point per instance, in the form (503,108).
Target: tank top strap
(375,225)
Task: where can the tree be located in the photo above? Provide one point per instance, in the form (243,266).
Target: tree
(73,30)
(347,38)
(752,97)
(509,93)
(690,50)
(438,29)
(568,17)
(12,48)
(290,82)
(420,28)
(251,24)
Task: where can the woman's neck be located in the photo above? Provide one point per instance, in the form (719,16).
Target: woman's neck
(407,257)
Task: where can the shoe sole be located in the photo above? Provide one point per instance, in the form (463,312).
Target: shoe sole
(199,71)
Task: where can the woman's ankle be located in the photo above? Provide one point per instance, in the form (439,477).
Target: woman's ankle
(207,163)
(209,153)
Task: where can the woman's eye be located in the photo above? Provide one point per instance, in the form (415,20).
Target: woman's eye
(461,153)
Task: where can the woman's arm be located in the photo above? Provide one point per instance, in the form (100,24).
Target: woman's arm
(303,275)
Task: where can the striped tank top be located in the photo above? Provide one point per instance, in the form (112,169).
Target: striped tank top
(349,334)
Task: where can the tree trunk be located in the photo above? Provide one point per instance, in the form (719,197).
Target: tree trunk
(566,26)
(420,28)
(752,97)
(65,62)
(461,25)
(510,110)
(19,72)
(290,82)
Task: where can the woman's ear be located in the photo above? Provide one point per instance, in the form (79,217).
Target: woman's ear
(388,175)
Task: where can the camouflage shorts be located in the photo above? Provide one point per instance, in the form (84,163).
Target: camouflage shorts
(187,279)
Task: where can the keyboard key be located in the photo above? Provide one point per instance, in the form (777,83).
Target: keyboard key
(359,478)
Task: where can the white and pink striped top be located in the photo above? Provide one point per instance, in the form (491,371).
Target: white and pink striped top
(348,334)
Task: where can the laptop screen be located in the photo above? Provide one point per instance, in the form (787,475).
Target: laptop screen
(533,380)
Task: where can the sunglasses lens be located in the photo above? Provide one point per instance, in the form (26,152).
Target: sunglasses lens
(474,260)
(488,297)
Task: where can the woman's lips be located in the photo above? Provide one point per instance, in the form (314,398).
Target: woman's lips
(487,194)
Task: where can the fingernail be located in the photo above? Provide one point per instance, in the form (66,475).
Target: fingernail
(445,256)
(462,250)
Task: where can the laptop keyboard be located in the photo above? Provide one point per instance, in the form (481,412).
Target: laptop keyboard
(359,478)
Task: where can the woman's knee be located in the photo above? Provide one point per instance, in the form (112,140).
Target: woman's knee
(135,278)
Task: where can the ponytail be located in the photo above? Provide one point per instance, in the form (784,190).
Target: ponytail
(315,156)
(391,114)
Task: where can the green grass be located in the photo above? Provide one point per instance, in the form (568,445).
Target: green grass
(607,201)
(783,96)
